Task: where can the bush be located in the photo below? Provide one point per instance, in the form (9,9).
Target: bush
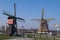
(29,36)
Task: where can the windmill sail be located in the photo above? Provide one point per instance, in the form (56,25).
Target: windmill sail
(15,13)
(14,9)
(42,13)
(6,13)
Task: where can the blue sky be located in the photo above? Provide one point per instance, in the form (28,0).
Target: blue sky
(31,9)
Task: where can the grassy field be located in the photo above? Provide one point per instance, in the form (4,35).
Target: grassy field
(42,37)
(35,36)
(4,37)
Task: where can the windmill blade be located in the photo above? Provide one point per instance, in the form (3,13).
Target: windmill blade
(36,20)
(6,13)
(20,19)
(49,19)
(14,9)
(42,13)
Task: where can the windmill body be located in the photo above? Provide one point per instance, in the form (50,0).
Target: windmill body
(43,27)
(44,23)
(12,22)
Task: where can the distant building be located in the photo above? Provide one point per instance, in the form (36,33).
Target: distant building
(28,31)
(54,32)
(21,31)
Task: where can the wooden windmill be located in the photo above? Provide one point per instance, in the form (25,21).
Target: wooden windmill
(12,21)
(44,23)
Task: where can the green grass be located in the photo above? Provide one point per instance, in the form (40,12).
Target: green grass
(4,37)
(37,37)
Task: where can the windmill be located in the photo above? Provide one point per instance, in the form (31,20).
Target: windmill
(44,23)
(12,21)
